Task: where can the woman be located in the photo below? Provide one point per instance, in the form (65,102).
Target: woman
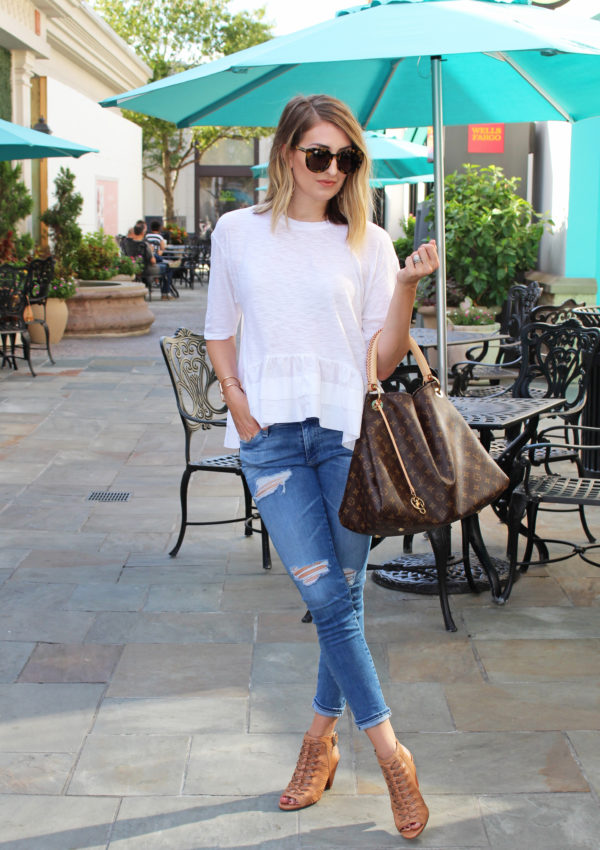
(313,279)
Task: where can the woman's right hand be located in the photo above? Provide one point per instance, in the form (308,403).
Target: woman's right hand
(237,404)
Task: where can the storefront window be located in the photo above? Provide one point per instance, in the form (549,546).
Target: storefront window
(219,195)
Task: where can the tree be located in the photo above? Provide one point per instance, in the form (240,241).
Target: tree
(61,219)
(170,36)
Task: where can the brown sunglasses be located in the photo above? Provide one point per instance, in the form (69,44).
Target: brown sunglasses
(318,159)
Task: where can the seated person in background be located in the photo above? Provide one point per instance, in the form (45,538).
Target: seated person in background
(158,245)
(135,246)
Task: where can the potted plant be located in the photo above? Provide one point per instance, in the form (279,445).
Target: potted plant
(426,299)
(174,234)
(469,317)
(65,235)
(492,234)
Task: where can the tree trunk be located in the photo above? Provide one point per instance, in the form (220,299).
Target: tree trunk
(169,180)
(168,200)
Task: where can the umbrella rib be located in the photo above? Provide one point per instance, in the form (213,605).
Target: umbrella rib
(392,168)
(382,90)
(503,57)
(240,92)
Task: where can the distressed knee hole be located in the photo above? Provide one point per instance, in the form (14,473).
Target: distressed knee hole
(350,576)
(311,572)
(269,484)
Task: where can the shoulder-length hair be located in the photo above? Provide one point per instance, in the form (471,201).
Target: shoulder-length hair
(352,204)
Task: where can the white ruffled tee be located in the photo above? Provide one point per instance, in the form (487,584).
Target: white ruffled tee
(309,305)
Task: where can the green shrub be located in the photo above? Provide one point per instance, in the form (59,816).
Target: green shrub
(97,257)
(404,244)
(492,234)
(128,265)
(426,294)
(15,203)
(65,233)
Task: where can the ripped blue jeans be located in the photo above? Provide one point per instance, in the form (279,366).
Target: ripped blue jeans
(297,473)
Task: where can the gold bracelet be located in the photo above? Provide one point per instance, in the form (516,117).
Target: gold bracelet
(223,385)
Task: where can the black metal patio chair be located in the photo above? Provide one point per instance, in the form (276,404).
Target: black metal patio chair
(475,378)
(549,489)
(556,314)
(557,362)
(135,248)
(200,408)
(13,327)
(40,274)
(203,260)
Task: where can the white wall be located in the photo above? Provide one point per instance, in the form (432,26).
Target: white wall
(73,116)
(396,208)
(551,190)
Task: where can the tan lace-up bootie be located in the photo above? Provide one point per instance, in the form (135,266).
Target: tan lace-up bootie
(409,809)
(315,770)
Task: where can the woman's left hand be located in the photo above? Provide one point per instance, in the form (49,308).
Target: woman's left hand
(420,263)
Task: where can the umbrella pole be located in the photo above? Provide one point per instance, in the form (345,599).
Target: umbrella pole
(440,218)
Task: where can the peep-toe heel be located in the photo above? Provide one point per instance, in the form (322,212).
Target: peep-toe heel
(314,773)
(408,807)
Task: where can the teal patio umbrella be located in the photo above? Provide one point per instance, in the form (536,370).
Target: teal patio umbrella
(402,63)
(18,142)
(394,161)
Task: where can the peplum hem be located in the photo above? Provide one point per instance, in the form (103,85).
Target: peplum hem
(299,387)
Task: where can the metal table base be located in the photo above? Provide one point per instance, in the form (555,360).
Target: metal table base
(418,574)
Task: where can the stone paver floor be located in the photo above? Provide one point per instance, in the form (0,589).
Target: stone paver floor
(154,703)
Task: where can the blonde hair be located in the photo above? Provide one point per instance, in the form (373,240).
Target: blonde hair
(352,204)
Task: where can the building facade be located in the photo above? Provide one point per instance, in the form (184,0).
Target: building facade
(58,58)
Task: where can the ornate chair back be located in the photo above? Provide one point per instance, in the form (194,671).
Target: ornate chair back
(41,274)
(555,315)
(194,382)
(520,301)
(559,357)
(588,316)
(13,298)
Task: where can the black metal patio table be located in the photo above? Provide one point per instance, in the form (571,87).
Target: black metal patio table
(427,337)
(416,573)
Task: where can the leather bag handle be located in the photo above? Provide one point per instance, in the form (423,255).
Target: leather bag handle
(416,352)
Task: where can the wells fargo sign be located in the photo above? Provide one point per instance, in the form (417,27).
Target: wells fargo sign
(486,138)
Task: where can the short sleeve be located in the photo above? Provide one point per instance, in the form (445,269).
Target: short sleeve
(381,271)
(223,311)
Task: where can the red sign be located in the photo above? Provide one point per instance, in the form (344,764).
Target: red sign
(486,138)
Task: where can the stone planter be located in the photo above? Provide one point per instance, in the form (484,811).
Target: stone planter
(457,353)
(109,308)
(427,312)
(57,314)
